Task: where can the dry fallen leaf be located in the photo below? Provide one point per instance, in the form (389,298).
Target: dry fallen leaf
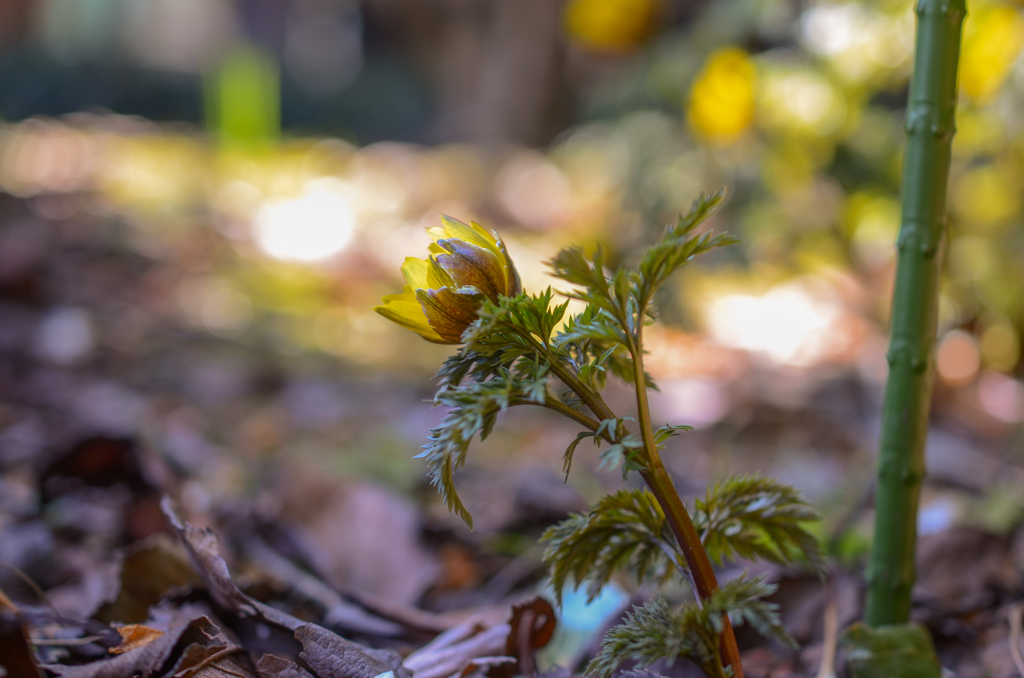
(271,666)
(135,636)
(149,658)
(15,655)
(217,661)
(532,625)
(149,569)
(204,551)
(327,653)
(331,656)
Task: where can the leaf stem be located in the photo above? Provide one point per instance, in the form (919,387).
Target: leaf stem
(702,575)
(566,411)
(591,399)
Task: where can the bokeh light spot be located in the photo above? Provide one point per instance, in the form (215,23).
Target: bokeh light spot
(788,324)
(802,101)
(993,37)
(722,98)
(986,195)
(66,336)
(610,25)
(875,223)
(534,191)
(1000,345)
(315,226)
(957,359)
(1002,397)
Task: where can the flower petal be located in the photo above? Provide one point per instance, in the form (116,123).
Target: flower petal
(470,265)
(450,311)
(514,285)
(475,234)
(405,310)
(422,274)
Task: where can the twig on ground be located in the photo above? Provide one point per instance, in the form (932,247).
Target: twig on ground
(213,659)
(32,585)
(1016,611)
(828,654)
(61,642)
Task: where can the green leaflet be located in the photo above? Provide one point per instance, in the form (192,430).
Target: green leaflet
(756,517)
(750,517)
(594,342)
(654,631)
(624,298)
(473,411)
(677,247)
(668,431)
(626,530)
(903,650)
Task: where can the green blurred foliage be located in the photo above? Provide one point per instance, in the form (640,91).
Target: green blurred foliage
(798,112)
(893,650)
(795,109)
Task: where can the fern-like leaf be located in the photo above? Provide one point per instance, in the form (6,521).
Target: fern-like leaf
(748,516)
(654,631)
(755,517)
(473,410)
(626,529)
(677,247)
(744,601)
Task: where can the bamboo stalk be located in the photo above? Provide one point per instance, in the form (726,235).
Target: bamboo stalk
(930,125)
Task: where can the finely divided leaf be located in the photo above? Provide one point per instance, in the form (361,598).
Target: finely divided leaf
(757,517)
(743,600)
(595,344)
(625,529)
(668,431)
(567,457)
(474,410)
(676,248)
(654,631)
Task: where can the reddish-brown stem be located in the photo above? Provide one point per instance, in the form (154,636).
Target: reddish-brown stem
(701,574)
(660,483)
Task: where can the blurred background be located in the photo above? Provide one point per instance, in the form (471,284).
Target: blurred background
(204,199)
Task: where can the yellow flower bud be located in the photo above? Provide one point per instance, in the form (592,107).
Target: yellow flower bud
(444,292)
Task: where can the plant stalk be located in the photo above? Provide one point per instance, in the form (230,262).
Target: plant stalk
(930,125)
(589,398)
(702,576)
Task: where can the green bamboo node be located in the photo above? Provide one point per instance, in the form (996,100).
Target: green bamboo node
(930,125)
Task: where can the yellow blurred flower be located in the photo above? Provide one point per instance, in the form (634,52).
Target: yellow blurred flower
(722,98)
(993,37)
(987,195)
(610,25)
(444,292)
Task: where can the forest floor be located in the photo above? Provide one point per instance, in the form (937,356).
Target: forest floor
(174,503)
